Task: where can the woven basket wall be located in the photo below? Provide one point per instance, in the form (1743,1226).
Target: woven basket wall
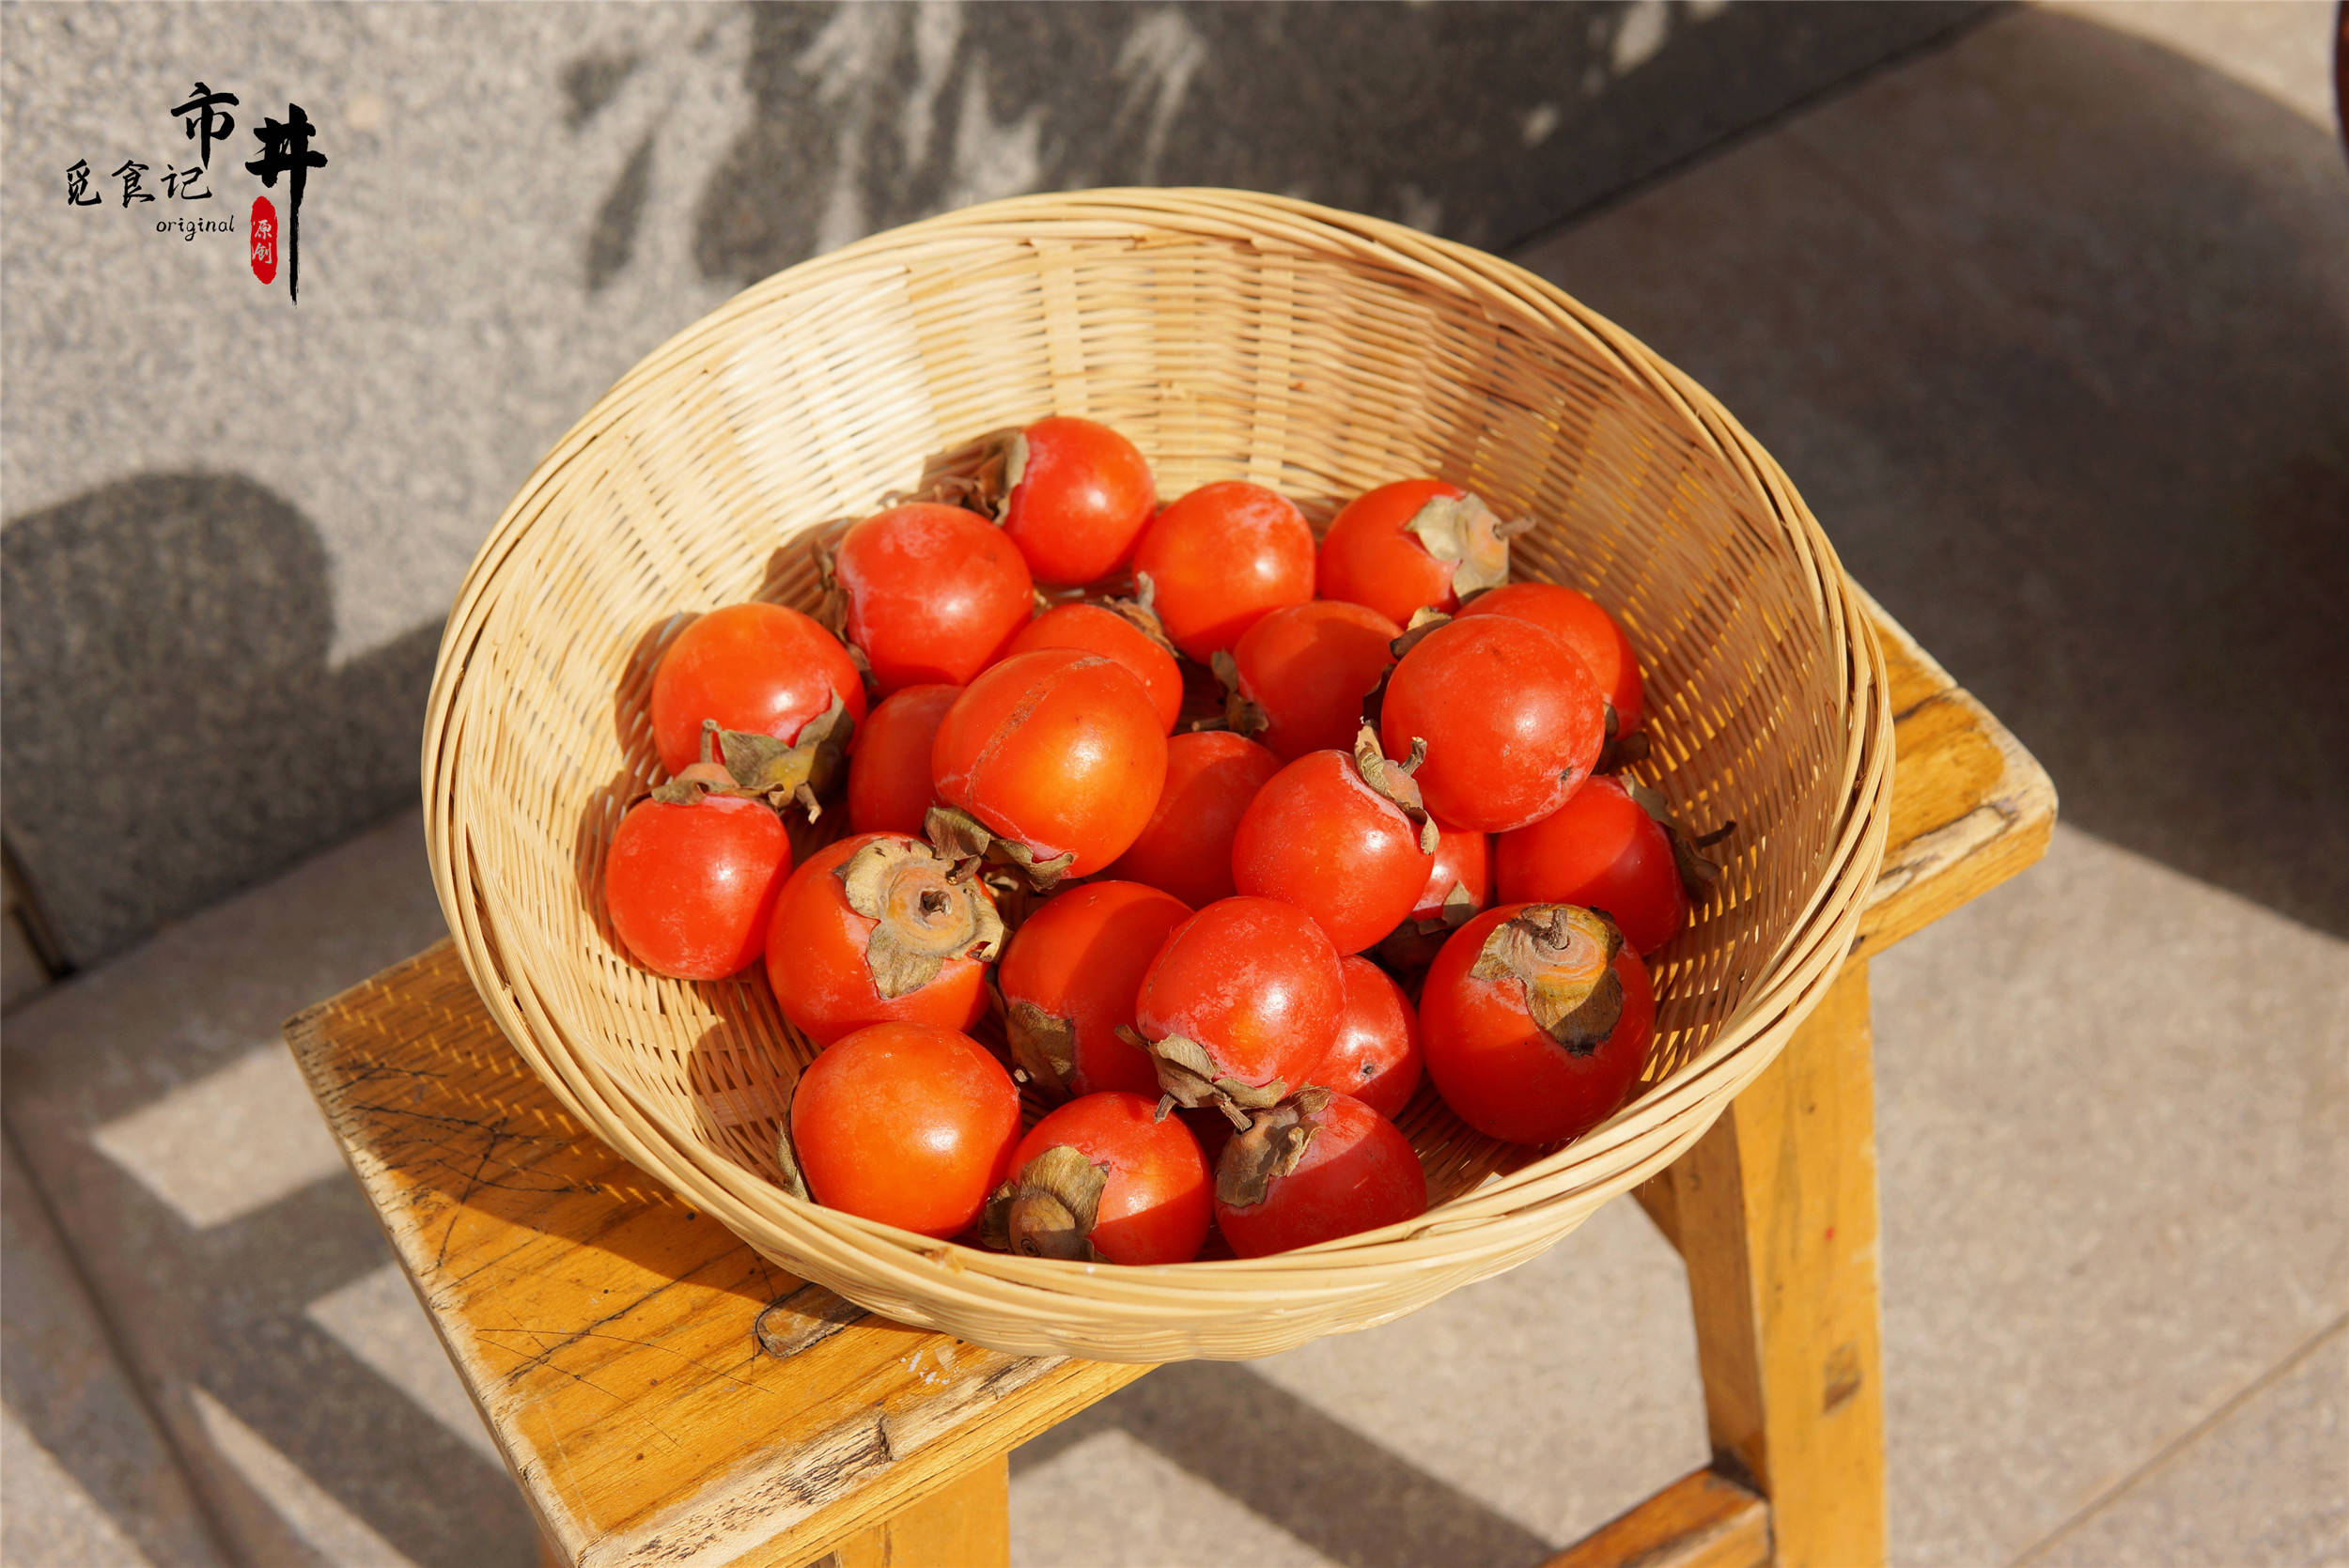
(1229,336)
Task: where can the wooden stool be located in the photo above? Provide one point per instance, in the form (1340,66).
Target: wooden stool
(665,1396)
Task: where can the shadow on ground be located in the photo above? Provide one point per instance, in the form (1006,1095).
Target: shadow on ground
(175,731)
(1289,1463)
(2053,333)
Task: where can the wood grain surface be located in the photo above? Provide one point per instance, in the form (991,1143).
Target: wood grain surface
(663,1394)
(1702,1520)
(1776,1212)
(1970,807)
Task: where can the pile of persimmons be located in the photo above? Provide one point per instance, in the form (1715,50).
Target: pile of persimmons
(1227,948)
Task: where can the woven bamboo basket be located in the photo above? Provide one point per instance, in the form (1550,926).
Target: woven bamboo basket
(1229,336)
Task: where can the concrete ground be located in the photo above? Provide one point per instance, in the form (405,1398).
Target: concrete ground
(2052,327)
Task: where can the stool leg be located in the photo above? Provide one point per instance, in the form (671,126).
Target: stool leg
(963,1524)
(1774,1210)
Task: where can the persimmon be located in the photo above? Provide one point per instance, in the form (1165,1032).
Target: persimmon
(1377,1058)
(1603,851)
(1241,1002)
(1186,847)
(889,764)
(758,671)
(689,883)
(1536,1020)
(1417,544)
(1052,760)
(1315,1168)
(910,1124)
(1596,638)
(1069,976)
(1510,717)
(1460,884)
(930,593)
(1105,1179)
(1079,495)
(1122,629)
(1221,558)
(1296,680)
(879,928)
(1343,837)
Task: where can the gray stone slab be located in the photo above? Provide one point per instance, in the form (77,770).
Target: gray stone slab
(235,522)
(87,1478)
(2114,1134)
(2266,1486)
(211,1212)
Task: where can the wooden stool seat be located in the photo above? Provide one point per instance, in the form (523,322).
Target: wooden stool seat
(666,1396)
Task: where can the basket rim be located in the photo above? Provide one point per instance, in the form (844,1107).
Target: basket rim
(1650,1130)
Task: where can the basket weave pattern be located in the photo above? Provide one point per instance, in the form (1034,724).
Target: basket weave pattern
(1228,336)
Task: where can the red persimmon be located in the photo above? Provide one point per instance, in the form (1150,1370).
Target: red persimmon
(1596,638)
(889,763)
(876,929)
(762,669)
(1081,495)
(691,887)
(1459,886)
(1377,1059)
(1319,1167)
(1055,755)
(1416,544)
(1069,976)
(1186,847)
(1297,678)
(1241,1003)
(1118,631)
(1536,1021)
(1341,837)
(1511,718)
(1220,559)
(910,1124)
(1600,849)
(931,593)
(1104,1178)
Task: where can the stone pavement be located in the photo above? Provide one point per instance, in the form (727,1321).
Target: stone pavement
(2052,327)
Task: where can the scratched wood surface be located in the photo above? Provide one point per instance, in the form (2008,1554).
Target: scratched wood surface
(666,1396)
(623,1349)
(1970,807)
(1702,1520)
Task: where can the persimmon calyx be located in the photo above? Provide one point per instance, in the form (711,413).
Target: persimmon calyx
(1049,1209)
(786,1156)
(963,838)
(747,763)
(1619,752)
(1000,473)
(1413,944)
(1242,714)
(1700,873)
(971,476)
(1138,613)
(1425,621)
(1044,1044)
(1462,529)
(1392,781)
(1269,1147)
(1563,957)
(923,914)
(1187,1076)
(831,608)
